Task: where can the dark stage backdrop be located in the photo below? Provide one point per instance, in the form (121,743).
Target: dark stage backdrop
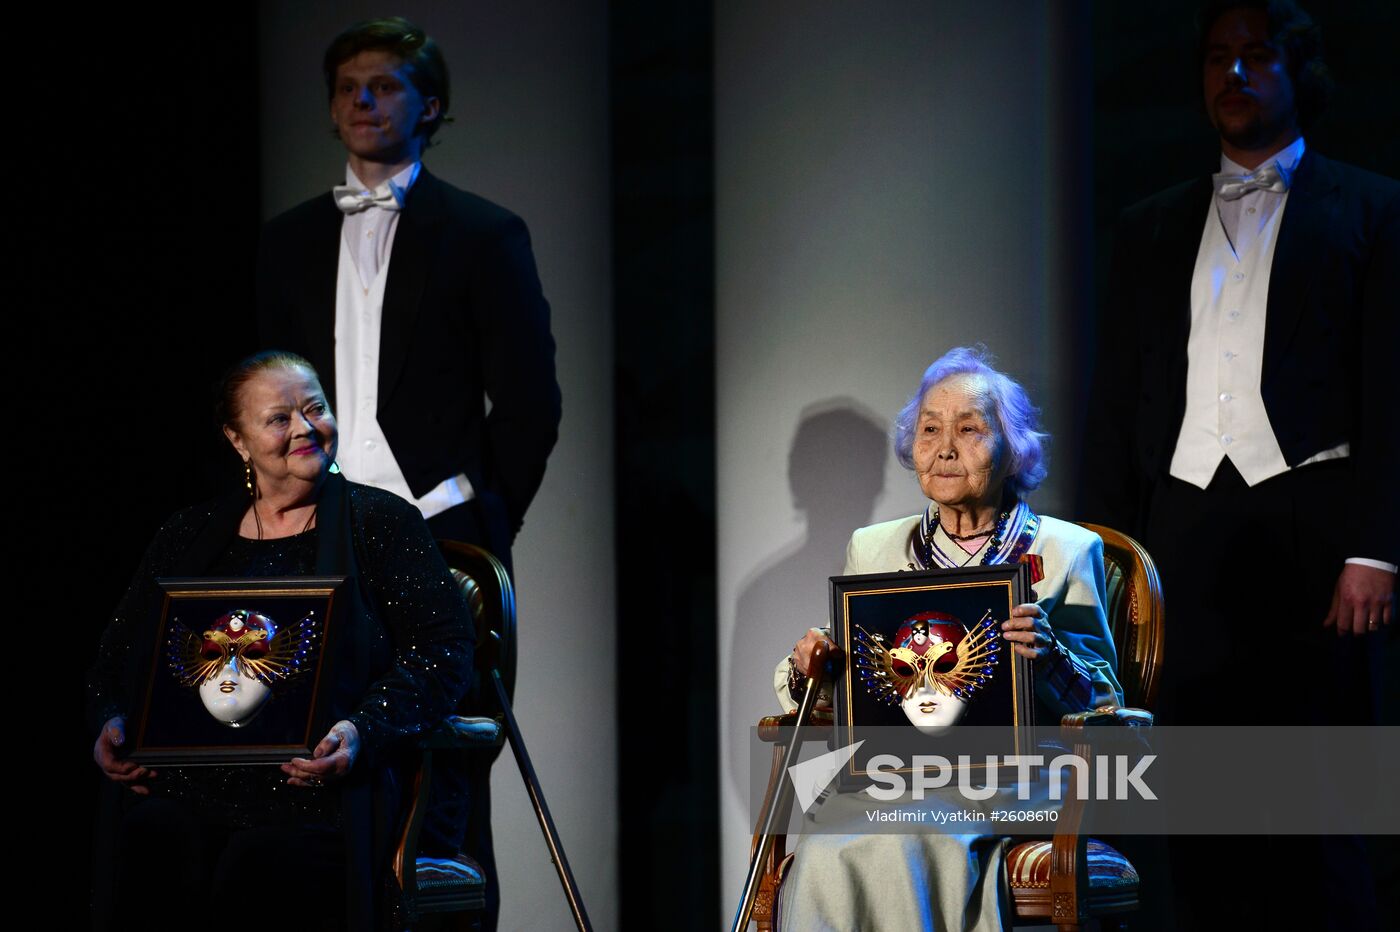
(662,94)
(134,247)
(143,236)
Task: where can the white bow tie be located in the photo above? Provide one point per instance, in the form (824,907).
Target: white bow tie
(1234,187)
(352,200)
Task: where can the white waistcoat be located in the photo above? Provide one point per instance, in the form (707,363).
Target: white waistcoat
(364,454)
(1225,413)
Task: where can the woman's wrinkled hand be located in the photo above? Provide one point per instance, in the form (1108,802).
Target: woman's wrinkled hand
(1028,631)
(802,653)
(330,760)
(108,751)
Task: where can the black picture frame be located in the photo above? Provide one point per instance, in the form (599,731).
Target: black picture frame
(173,727)
(881,603)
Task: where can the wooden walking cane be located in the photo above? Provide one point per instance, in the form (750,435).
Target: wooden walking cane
(532,786)
(782,795)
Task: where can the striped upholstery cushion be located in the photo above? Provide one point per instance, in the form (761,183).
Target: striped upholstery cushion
(472,729)
(1028,866)
(441,874)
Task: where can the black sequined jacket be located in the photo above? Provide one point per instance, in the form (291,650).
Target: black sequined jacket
(412,652)
(406,662)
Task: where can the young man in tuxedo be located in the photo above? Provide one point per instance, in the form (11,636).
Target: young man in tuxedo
(418,303)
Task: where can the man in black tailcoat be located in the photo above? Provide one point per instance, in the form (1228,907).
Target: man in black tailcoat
(1245,424)
(418,303)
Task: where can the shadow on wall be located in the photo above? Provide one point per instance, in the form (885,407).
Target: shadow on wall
(836,471)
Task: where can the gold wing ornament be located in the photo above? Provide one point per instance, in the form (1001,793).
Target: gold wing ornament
(292,650)
(892,673)
(977,659)
(193,659)
(185,657)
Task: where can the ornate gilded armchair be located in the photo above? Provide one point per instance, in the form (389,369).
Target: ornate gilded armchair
(1069,878)
(456,886)
(426,886)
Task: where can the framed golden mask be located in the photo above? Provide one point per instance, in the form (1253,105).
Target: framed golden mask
(925,656)
(236,670)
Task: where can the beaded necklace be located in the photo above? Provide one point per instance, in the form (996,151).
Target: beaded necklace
(1015,530)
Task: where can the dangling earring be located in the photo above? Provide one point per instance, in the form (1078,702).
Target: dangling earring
(252,493)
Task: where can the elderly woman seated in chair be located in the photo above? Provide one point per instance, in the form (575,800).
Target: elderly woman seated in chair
(970,436)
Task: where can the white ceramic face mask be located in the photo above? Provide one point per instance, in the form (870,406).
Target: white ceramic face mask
(934,668)
(238,659)
(232,696)
(931,710)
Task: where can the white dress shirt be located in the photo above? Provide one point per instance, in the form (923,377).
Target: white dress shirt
(367,239)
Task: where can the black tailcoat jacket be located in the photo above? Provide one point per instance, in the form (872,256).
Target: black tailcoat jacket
(464,320)
(1331,347)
